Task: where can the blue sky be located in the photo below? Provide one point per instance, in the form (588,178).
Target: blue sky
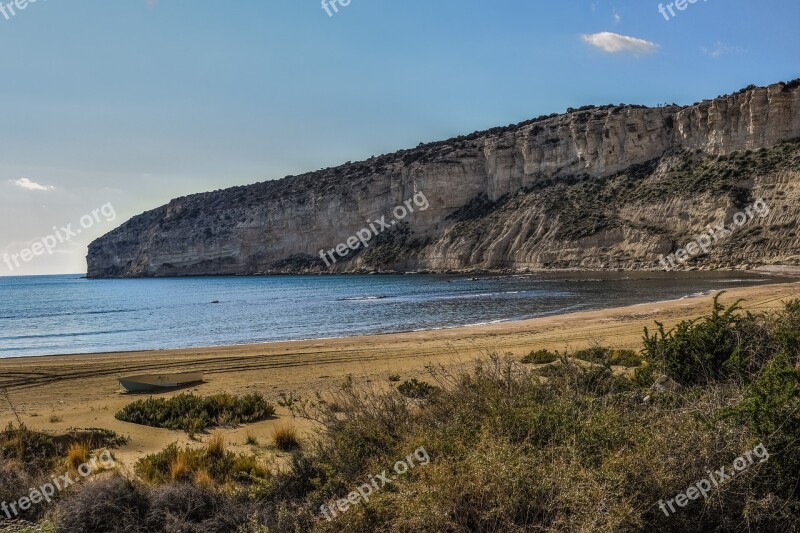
(135,102)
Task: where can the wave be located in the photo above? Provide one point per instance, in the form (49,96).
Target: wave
(78,313)
(61,335)
(759,280)
(699,294)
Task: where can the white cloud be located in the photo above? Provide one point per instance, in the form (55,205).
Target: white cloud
(614,43)
(721,49)
(617,17)
(25,183)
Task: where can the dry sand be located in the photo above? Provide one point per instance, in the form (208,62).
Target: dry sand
(59,392)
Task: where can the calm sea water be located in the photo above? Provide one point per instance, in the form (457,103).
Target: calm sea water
(66,314)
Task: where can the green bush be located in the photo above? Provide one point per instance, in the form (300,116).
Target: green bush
(699,352)
(609,356)
(415,389)
(540,357)
(771,409)
(644,376)
(726,345)
(193,413)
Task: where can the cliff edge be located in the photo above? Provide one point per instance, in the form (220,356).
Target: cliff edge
(611,187)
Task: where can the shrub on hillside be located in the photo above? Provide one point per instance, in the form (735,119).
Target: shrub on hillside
(726,345)
(771,410)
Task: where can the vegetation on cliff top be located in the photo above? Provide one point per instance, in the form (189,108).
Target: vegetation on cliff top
(582,206)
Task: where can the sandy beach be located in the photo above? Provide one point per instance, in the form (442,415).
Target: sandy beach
(55,393)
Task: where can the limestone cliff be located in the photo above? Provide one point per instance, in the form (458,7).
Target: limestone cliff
(598,187)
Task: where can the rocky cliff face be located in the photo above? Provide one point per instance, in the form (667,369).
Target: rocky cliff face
(598,187)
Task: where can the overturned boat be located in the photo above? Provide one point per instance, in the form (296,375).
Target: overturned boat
(160,382)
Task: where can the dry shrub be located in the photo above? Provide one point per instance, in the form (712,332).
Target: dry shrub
(16,482)
(195,508)
(285,437)
(577,451)
(113,505)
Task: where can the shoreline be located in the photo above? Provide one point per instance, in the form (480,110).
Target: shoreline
(763,278)
(543,315)
(768,270)
(55,393)
(21,358)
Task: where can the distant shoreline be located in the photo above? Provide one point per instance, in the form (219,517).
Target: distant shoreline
(767,270)
(770,270)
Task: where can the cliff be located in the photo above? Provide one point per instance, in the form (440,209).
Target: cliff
(595,188)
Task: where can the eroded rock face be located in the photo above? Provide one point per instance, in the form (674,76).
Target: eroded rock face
(608,187)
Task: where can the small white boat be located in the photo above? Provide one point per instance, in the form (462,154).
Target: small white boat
(157,382)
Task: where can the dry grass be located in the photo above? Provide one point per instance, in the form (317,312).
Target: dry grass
(216,445)
(251,439)
(77,454)
(285,437)
(179,469)
(203,478)
(212,464)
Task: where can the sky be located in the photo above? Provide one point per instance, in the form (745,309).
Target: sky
(112,108)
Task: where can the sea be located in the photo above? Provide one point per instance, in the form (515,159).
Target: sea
(68,314)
